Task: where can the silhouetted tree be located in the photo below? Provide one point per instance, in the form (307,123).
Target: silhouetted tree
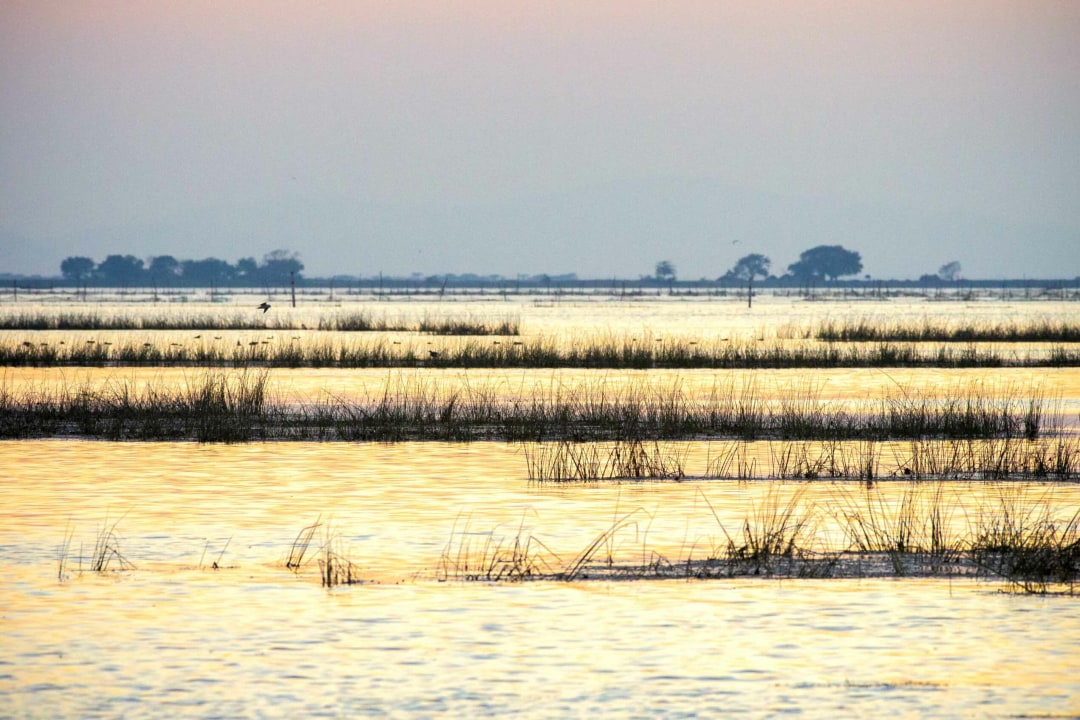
(665,271)
(77,268)
(748,267)
(279,265)
(206,272)
(247,271)
(120,270)
(950,271)
(826,261)
(163,269)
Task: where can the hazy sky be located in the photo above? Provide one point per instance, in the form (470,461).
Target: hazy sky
(506,137)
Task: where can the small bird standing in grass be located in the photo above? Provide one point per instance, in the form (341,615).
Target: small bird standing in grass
(264,307)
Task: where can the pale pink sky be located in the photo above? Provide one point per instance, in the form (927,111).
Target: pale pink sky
(511,138)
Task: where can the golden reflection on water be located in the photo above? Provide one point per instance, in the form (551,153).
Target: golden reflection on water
(175,637)
(1060,385)
(397,507)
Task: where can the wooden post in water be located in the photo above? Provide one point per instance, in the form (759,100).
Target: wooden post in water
(750,291)
(292,285)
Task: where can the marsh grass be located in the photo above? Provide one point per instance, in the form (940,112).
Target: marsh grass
(769,541)
(1027,544)
(605,352)
(338,322)
(915,531)
(63,552)
(584,563)
(217,564)
(866,330)
(300,545)
(494,556)
(107,550)
(336,566)
(240,406)
(568,461)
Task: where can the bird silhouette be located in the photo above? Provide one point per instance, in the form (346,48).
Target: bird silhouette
(264,307)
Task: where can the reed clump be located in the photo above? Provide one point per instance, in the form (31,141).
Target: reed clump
(105,556)
(568,461)
(336,566)
(1028,545)
(494,556)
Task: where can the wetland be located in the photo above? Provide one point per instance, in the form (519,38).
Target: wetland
(552,506)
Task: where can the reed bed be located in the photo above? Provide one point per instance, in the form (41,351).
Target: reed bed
(1055,458)
(339,322)
(300,351)
(1023,536)
(238,406)
(865,330)
(1032,545)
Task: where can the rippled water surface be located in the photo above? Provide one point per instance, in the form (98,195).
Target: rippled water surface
(168,634)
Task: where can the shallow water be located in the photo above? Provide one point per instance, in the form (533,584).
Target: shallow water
(171,636)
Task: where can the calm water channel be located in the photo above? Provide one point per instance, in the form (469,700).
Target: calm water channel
(206,620)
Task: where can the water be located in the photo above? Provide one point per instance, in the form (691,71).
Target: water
(200,647)
(172,636)
(176,637)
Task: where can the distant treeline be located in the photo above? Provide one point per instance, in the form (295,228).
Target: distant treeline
(279,267)
(821,267)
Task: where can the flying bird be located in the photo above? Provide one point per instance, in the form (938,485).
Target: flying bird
(264,307)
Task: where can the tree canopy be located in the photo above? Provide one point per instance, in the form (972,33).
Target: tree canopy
(665,271)
(277,268)
(748,267)
(826,261)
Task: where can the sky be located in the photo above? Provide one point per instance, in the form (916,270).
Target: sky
(510,138)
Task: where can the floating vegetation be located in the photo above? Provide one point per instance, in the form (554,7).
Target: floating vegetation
(865,330)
